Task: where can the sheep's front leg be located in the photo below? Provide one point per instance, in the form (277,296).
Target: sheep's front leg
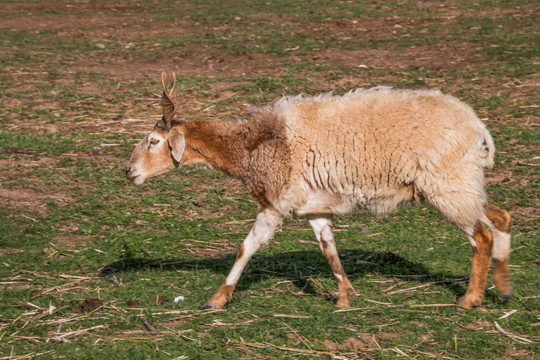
(266,223)
(323,231)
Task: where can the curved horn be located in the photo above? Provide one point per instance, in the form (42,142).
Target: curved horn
(168,99)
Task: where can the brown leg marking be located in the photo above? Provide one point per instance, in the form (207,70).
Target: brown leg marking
(224,293)
(501,276)
(222,296)
(240,252)
(500,218)
(480,266)
(346,291)
(502,221)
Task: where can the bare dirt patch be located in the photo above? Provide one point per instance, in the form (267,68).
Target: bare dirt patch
(224,64)
(69,5)
(192,59)
(30,200)
(67,236)
(438,58)
(34,200)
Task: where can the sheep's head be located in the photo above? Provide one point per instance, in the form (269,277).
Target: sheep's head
(162,149)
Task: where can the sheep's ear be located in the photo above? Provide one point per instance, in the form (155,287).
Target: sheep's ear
(168,98)
(177,142)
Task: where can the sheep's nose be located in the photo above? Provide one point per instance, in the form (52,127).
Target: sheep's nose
(128,171)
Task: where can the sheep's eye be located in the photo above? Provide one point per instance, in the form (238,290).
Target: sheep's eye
(154,141)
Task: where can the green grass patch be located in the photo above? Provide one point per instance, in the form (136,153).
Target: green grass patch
(85,256)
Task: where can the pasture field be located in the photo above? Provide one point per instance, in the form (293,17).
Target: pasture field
(90,265)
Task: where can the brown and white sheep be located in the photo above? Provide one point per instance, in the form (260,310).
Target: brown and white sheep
(319,156)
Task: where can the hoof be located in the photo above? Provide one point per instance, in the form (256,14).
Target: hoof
(342,304)
(507,295)
(207,306)
(345,297)
(468,302)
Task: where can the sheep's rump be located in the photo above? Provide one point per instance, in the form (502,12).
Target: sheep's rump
(373,148)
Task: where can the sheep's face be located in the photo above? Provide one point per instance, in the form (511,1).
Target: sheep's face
(158,153)
(162,150)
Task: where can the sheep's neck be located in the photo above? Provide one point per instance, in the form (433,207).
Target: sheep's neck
(214,145)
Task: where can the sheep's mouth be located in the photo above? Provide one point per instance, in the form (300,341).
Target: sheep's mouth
(135,180)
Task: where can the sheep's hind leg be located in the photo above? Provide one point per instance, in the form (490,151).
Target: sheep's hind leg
(323,231)
(266,223)
(482,244)
(499,222)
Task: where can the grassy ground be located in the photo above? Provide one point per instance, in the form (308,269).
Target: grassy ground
(90,265)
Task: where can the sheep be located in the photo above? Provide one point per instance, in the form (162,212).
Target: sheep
(327,155)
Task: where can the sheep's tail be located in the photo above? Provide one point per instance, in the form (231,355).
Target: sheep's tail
(486,147)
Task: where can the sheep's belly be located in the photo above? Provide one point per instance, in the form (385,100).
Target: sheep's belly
(318,202)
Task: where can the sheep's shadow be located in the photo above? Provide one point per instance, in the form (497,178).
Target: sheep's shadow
(299,267)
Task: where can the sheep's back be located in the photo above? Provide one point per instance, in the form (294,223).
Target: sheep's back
(376,139)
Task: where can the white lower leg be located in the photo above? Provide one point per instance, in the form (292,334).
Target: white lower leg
(261,233)
(501,245)
(263,229)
